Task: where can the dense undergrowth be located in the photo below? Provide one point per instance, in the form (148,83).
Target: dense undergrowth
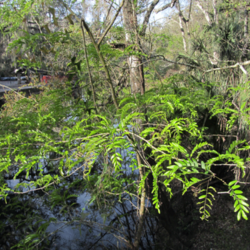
(44,141)
(158,165)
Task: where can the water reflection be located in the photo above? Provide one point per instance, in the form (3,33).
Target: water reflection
(80,225)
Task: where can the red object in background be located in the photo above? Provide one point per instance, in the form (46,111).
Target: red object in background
(46,79)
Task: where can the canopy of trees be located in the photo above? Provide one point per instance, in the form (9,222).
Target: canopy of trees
(151,120)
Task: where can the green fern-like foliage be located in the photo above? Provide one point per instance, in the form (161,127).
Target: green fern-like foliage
(206,204)
(43,125)
(240,205)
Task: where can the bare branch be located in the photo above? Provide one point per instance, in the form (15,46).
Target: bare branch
(142,208)
(147,16)
(88,67)
(109,10)
(66,6)
(84,24)
(166,6)
(204,12)
(181,17)
(163,8)
(231,67)
(190,8)
(243,70)
(110,25)
(108,28)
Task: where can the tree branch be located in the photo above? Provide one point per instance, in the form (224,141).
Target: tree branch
(147,16)
(181,18)
(166,6)
(110,25)
(109,10)
(66,6)
(102,61)
(88,67)
(84,24)
(231,67)
(204,12)
(142,208)
(190,8)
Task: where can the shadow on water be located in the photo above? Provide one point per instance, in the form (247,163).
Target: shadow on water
(62,217)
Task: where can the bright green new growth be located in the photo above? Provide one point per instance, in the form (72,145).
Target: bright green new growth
(98,142)
(83,140)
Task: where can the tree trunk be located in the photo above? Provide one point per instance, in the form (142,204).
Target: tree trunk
(183,34)
(137,84)
(135,62)
(167,216)
(181,26)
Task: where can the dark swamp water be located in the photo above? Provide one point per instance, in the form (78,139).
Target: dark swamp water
(66,219)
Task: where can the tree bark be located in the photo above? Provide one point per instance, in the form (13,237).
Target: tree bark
(134,62)
(181,26)
(89,71)
(204,12)
(167,216)
(137,87)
